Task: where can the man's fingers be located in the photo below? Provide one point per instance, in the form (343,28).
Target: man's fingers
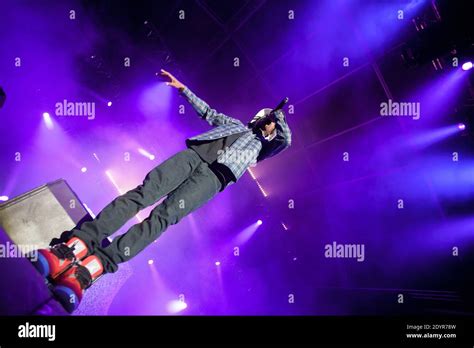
(165,73)
(173,82)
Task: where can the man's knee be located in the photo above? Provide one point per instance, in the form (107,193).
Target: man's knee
(171,212)
(141,196)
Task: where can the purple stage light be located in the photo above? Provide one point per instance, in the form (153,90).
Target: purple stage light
(109,103)
(112,180)
(83,169)
(155,101)
(91,213)
(264,193)
(467,66)
(251,174)
(47,120)
(3,198)
(218,263)
(439,96)
(247,233)
(150,262)
(427,138)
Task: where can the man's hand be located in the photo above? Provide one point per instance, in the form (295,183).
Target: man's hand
(173,80)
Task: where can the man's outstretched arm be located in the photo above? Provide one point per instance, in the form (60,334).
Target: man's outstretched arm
(202,108)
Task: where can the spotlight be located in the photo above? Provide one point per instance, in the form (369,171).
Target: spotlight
(467,66)
(461,126)
(146,154)
(83,169)
(3,198)
(150,262)
(176,306)
(47,120)
(259,222)
(109,103)
(218,263)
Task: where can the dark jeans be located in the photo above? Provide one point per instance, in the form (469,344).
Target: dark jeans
(188,182)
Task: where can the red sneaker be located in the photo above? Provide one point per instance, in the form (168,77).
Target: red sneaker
(70,286)
(57,259)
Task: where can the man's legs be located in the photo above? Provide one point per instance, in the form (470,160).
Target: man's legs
(199,188)
(163,179)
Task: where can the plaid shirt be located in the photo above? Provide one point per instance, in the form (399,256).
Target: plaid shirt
(248,148)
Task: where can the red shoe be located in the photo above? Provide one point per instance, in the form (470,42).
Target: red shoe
(57,259)
(70,286)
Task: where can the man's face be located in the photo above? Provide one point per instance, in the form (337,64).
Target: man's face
(269,128)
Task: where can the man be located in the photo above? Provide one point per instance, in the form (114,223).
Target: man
(211,162)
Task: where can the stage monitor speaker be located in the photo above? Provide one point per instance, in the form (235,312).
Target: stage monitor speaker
(38,216)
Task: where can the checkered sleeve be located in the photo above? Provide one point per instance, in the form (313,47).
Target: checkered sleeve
(283,130)
(213,117)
